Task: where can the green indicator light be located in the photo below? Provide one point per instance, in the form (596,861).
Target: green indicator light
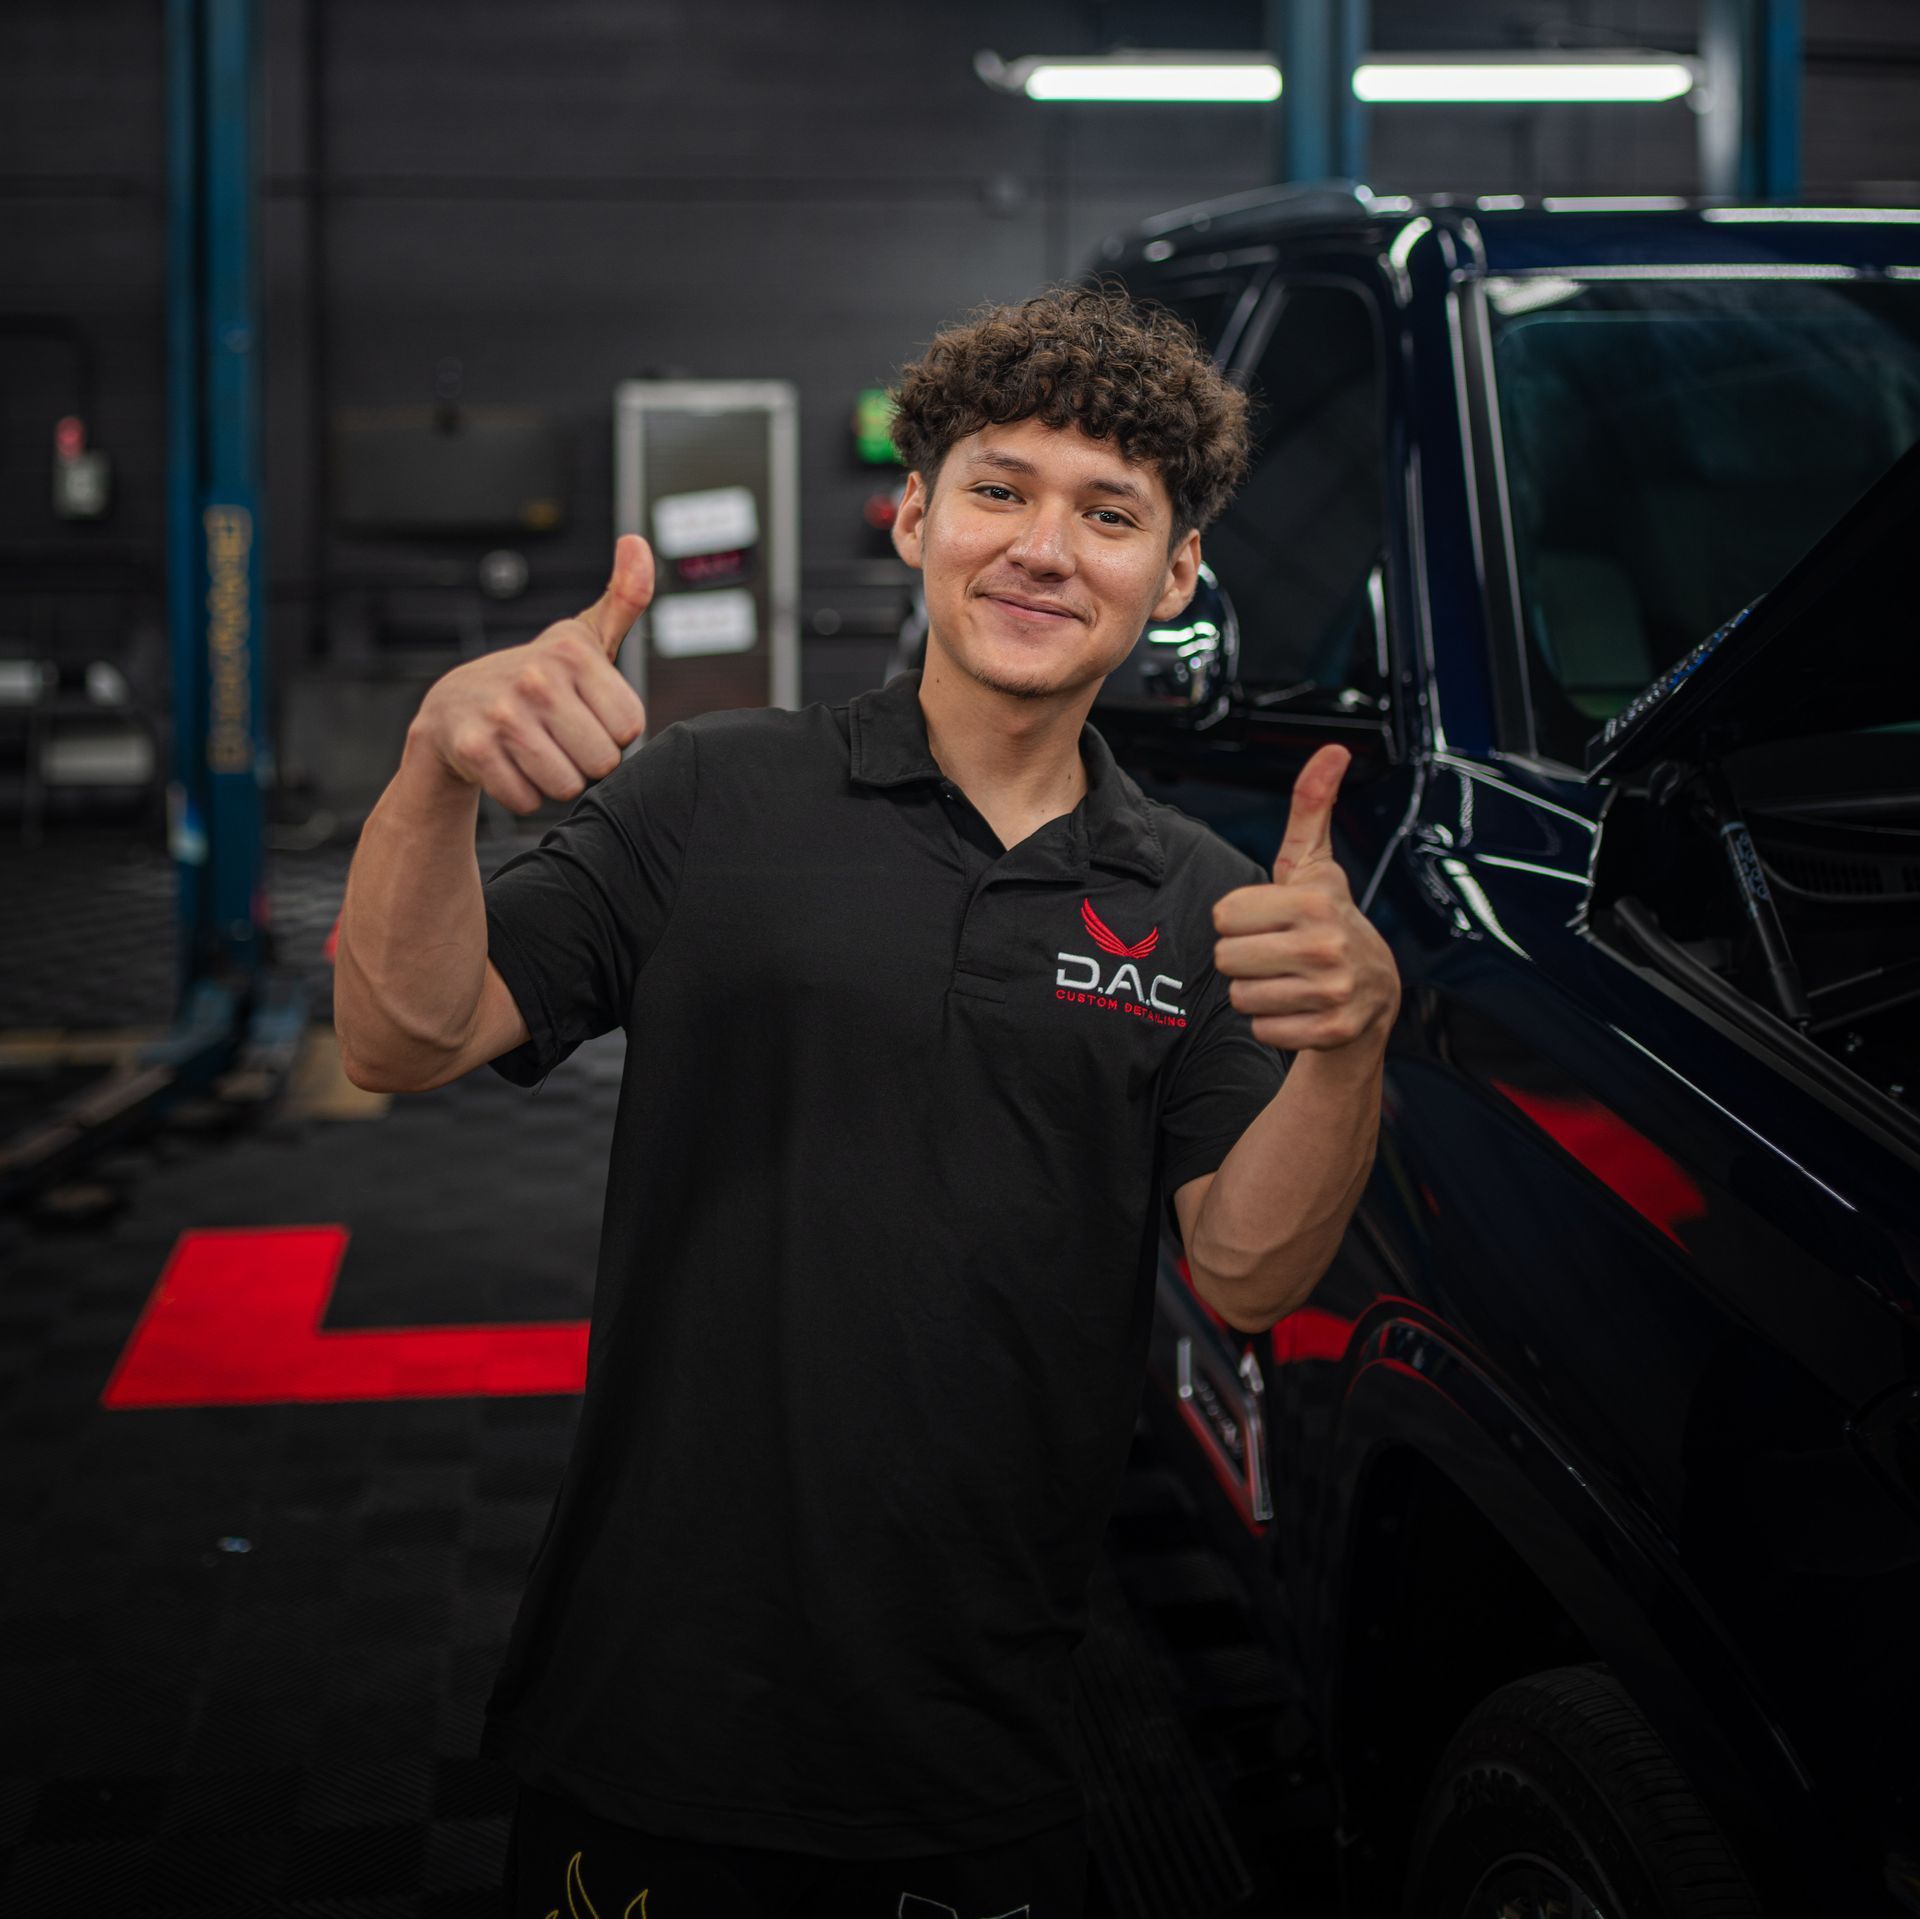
(873,427)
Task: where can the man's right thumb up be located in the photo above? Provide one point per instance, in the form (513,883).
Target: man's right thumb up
(612,615)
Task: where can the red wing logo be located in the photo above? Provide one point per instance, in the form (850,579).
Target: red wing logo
(1108,940)
(1077,977)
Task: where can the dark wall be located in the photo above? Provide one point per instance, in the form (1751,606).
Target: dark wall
(560,196)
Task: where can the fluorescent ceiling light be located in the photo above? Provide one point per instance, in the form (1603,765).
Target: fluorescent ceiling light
(1081,80)
(1520,78)
(1130,74)
(1250,77)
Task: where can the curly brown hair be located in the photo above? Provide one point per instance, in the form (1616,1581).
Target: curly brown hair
(1083,356)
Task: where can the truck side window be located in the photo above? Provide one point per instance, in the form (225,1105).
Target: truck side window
(1301,548)
(1216,306)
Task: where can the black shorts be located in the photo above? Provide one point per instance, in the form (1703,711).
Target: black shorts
(562,1859)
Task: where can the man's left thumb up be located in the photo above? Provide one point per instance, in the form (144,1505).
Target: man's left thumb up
(1309,834)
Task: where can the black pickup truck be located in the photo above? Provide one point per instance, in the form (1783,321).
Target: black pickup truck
(1584,1496)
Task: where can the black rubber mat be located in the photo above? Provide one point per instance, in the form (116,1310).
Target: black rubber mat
(86,939)
(245,1648)
(26,1092)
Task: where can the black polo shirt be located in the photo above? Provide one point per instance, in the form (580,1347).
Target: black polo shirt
(876,1270)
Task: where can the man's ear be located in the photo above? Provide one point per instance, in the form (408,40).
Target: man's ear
(1183,575)
(909,519)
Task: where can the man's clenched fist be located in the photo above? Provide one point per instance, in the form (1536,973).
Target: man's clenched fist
(541,720)
(1301,958)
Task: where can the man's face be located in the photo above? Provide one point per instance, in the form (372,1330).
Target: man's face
(1045,554)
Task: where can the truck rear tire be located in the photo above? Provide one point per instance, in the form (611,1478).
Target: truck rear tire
(1557,1798)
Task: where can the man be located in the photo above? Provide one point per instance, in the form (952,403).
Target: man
(925,1003)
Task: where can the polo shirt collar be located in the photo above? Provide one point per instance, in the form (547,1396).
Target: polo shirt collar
(1110,826)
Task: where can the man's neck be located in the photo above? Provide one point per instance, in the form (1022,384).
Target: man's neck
(1017,760)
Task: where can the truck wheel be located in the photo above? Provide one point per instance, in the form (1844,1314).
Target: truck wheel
(1556,1800)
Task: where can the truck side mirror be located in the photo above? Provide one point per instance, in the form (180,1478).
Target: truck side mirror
(1182,666)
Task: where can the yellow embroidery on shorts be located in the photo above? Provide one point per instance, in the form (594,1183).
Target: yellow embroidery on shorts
(579,1906)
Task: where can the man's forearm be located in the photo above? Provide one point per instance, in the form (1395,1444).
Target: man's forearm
(1280,1202)
(412,952)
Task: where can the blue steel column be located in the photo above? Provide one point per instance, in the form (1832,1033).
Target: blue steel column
(1750,131)
(235,628)
(186,794)
(1322,128)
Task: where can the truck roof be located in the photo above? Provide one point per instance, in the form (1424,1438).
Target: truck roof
(1519,233)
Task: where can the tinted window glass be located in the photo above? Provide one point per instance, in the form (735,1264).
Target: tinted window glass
(1672,449)
(1300,550)
(1210,306)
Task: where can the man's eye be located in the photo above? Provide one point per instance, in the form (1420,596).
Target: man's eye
(1112,516)
(993,487)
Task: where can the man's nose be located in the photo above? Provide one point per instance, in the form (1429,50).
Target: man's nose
(1042,545)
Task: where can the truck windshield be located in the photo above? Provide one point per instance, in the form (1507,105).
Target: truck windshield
(1672,448)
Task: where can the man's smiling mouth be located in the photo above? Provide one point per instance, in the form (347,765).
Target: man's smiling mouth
(1035,609)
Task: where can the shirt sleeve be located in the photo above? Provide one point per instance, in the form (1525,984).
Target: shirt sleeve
(1222,1077)
(571,921)
(1222,1081)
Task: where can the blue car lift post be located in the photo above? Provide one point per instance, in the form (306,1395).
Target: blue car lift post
(236,1023)
(1750,132)
(1321,128)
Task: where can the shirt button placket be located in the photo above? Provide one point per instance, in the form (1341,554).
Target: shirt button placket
(976,969)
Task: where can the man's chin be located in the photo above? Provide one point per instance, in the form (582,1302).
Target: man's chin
(1027,679)
(1022,686)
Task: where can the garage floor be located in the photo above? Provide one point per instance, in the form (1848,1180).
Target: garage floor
(258,1573)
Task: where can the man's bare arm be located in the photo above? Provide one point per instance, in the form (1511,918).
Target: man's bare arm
(1261,1230)
(1318,980)
(410,965)
(416,1001)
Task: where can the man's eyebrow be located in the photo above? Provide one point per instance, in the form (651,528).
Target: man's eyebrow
(1012,463)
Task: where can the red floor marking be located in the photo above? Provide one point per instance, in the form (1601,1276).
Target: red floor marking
(235,1321)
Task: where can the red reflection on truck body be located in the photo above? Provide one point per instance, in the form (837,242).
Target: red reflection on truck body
(1655,1185)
